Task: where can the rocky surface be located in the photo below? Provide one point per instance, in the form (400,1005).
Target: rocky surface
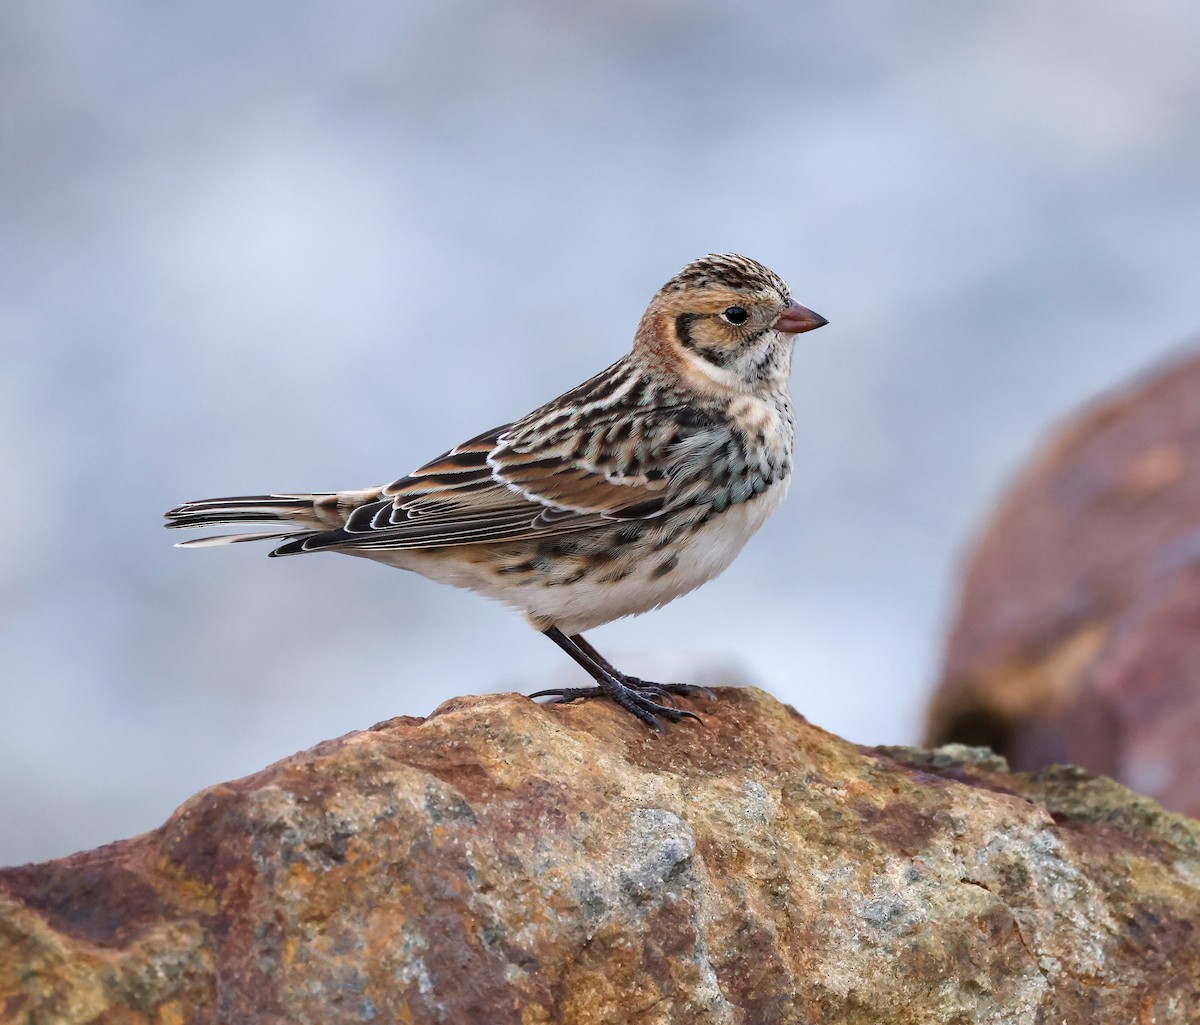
(502,862)
(1077,636)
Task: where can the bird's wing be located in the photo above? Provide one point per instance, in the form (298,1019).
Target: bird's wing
(524,480)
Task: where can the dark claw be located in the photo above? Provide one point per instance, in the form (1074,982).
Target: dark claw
(684,689)
(632,694)
(635,700)
(567,694)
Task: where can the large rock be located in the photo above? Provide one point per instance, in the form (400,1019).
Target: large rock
(501,862)
(1077,635)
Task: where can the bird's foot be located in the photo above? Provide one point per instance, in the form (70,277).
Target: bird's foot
(634,695)
(662,689)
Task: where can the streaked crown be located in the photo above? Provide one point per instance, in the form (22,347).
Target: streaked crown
(727,271)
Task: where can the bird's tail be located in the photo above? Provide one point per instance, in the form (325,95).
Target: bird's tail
(306,514)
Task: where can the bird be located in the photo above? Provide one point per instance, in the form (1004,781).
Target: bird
(625,492)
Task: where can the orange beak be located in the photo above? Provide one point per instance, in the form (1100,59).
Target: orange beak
(796,319)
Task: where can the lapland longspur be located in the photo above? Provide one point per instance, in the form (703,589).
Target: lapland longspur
(636,487)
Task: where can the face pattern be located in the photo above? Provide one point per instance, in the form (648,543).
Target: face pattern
(722,309)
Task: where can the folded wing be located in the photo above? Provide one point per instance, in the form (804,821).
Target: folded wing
(539,477)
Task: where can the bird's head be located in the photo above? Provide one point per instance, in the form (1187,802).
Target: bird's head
(727,322)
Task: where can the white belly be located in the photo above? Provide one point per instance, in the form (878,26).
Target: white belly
(592,601)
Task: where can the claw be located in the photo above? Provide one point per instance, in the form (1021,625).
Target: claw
(684,689)
(565,695)
(634,695)
(635,700)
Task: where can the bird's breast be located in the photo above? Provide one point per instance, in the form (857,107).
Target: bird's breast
(670,560)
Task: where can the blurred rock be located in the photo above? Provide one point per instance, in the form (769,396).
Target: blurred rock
(1077,637)
(503,862)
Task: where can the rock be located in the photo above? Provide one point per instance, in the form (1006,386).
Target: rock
(1077,636)
(502,862)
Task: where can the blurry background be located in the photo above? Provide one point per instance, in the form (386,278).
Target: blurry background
(302,246)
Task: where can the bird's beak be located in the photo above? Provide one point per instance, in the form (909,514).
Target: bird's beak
(796,319)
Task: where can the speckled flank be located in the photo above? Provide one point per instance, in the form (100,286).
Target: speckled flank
(577,582)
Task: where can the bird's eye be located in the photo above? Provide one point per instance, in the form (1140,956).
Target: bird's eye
(735,315)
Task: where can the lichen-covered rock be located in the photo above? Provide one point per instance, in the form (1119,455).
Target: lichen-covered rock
(1077,634)
(501,862)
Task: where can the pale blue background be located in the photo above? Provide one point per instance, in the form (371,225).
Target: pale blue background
(296,245)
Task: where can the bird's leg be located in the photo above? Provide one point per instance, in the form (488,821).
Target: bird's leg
(609,683)
(646,686)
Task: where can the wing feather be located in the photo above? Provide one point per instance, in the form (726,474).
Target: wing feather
(563,468)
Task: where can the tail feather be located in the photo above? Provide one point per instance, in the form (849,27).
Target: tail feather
(247,509)
(230,539)
(307,515)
